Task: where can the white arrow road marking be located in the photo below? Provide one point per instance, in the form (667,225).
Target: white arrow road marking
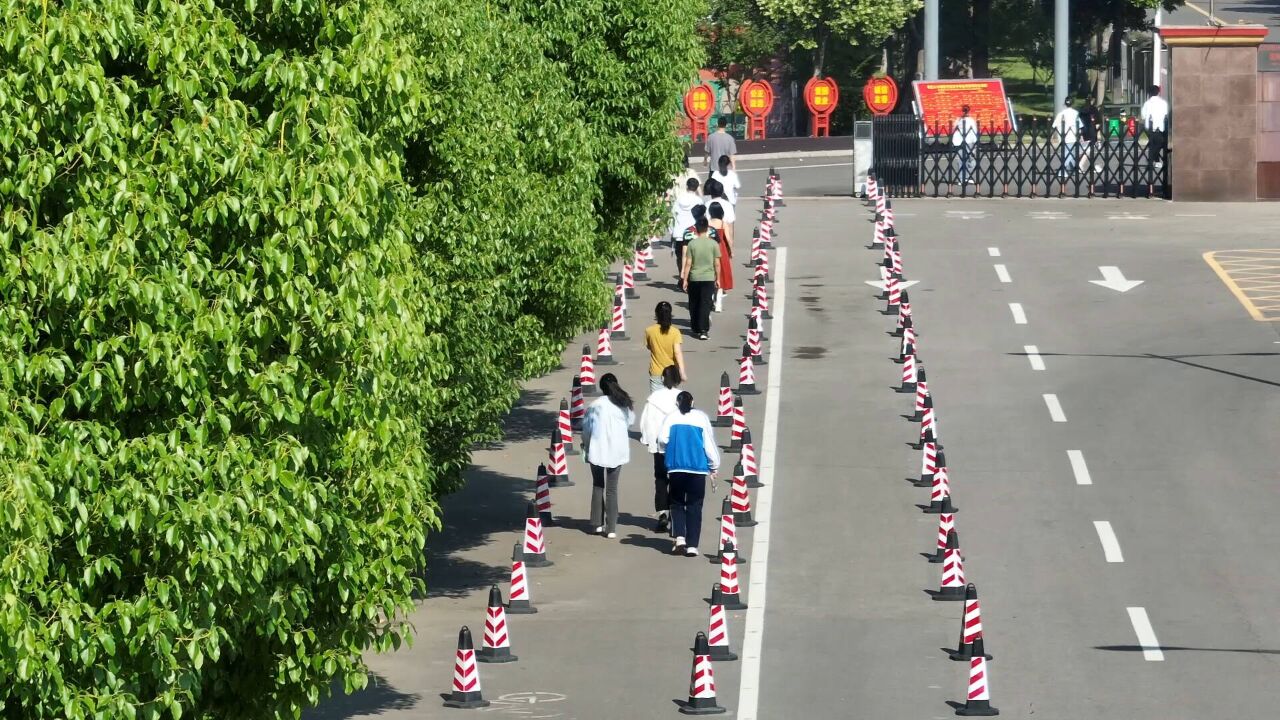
(1146,635)
(1019,317)
(1110,545)
(1002,272)
(1078,468)
(993,252)
(1113,279)
(880,284)
(1055,408)
(1033,354)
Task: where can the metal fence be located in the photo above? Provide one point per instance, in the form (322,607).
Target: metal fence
(1030,160)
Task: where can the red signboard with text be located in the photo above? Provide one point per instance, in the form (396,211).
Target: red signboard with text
(940,102)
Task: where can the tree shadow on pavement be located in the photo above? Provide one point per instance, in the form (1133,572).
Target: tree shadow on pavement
(377,697)
(532,418)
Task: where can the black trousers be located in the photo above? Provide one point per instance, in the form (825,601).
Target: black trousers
(679,247)
(702,298)
(661,485)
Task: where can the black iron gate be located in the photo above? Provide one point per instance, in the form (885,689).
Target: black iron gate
(1031,160)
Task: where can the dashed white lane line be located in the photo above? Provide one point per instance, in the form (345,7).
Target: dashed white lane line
(993,252)
(1146,635)
(1019,317)
(1033,354)
(1002,272)
(1194,215)
(753,635)
(1110,545)
(1055,408)
(1078,468)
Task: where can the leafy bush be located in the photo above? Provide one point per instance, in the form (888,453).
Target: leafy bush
(269,270)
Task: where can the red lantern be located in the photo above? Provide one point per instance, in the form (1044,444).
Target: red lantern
(756,98)
(699,103)
(821,95)
(881,94)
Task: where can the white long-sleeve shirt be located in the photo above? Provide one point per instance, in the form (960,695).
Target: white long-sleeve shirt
(1155,111)
(605,440)
(661,403)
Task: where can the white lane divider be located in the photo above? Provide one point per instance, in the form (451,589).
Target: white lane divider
(1002,272)
(753,635)
(1146,635)
(1110,545)
(1033,354)
(993,252)
(1055,408)
(1019,317)
(1078,468)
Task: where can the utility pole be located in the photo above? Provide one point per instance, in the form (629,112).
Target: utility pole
(930,39)
(1156,52)
(1061,46)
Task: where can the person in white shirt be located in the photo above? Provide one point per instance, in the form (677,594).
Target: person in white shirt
(682,206)
(661,403)
(728,179)
(1067,125)
(1155,116)
(964,138)
(606,444)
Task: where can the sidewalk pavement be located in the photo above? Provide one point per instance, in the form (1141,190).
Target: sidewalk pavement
(616,617)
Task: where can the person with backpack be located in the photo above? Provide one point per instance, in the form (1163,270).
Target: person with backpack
(661,403)
(606,444)
(691,456)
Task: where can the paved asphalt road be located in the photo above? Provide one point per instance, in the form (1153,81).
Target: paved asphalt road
(1169,393)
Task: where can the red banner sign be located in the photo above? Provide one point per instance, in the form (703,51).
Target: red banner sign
(821,95)
(940,103)
(699,102)
(881,94)
(756,98)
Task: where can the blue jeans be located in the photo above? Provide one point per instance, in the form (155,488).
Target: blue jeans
(687,493)
(967,161)
(1070,155)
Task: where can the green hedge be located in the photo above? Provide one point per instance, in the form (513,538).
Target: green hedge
(269,271)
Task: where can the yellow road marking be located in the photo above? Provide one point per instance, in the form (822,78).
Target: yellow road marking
(1204,12)
(1252,276)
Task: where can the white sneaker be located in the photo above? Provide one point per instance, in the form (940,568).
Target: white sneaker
(600,530)
(612,535)
(691,551)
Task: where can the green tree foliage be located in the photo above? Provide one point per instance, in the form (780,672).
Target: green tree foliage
(739,38)
(814,23)
(269,270)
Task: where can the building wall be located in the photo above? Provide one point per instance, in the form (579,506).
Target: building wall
(1215,136)
(1269,122)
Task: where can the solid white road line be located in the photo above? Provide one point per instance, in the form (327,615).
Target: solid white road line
(993,252)
(1110,545)
(1078,468)
(1033,354)
(1146,635)
(753,635)
(1055,407)
(1019,317)
(791,167)
(1002,272)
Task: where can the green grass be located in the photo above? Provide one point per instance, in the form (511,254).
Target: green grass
(1029,96)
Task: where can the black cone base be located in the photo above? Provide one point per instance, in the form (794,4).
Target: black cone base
(965,653)
(747,390)
(949,593)
(938,508)
(631,292)
(723,421)
(907,388)
(753,482)
(743,519)
(734,602)
(977,708)
(522,608)
(689,708)
(619,336)
(570,450)
(547,520)
(720,653)
(759,360)
(924,481)
(605,360)
(735,444)
(936,558)
(495,655)
(739,559)
(465,700)
(540,560)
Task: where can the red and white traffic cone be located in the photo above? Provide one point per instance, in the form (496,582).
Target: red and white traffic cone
(587,371)
(757,314)
(761,299)
(739,424)
(872,189)
(519,599)
(946,523)
(727,593)
(940,495)
(497,641)
(718,633)
(762,266)
(908,375)
(909,345)
(928,464)
(922,395)
(754,319)
(888,213)
(741,501)
(629,281)
(877,234)
(971,643)
(702,682)
(466,676)
(604,347)
(619,325)
(577,404)
(558,463)
(757,247)
(565,424)
(766,234)
(880,204)
(895,294)
(904,312)
(978,703)
(753,341)
(929,424)
(640,260)
(724,406)
(750,470)
(952,586)
(542,496)
(746,374)
(728,529)
(535,544)
(620,291)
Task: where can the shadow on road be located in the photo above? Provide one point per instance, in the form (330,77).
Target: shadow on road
(1179,359)
(530,419)
(1139,648)
(378,697)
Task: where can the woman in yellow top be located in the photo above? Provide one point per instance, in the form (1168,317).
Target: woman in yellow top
(663,342)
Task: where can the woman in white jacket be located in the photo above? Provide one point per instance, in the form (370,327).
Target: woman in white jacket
(660,404)
(607,447)
(692,455)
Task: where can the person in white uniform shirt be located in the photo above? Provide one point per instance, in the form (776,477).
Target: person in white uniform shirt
(1155,117)
(1067,125)
(728,179)
(682,206)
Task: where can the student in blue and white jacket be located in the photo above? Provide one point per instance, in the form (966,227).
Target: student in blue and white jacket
(692,455)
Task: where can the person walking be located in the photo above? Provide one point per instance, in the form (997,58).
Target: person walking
(1090,122)
(664,345)
(713,194)
(607,447)
(691,456)
(1155,116)
(682,215)
(661,403)
(728,178)
(1067,124)
(721,144)
(724,235)
(700,275)
(964,138)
